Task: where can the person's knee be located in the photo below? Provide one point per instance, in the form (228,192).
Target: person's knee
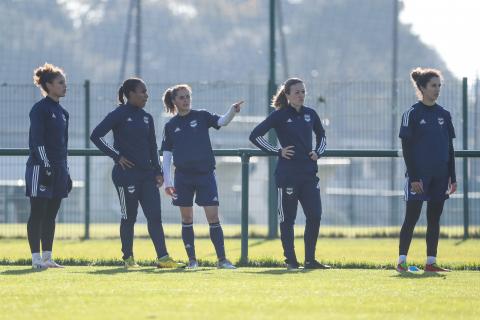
(313,220)
(187,218)
(35,217)
(155,219)
(409,223)
(287,222)
(51,215)
(213,218)
(129,221)
(433,223)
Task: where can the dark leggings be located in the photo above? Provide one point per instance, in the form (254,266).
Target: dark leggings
(41,224)
(414,208)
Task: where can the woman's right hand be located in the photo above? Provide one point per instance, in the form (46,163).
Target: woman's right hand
(417,186)
(237,106)
(171,192)
(125,163)
(287,152)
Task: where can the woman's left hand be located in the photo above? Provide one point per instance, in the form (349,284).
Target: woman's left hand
(452,187)
(159,180)
(237,106)
(313,155)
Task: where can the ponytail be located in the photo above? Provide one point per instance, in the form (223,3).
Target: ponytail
(121,96)
(170,94)
(279,100)
(168,101)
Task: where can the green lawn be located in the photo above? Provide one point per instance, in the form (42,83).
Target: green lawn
(359,253)
(247,293)
(110,230)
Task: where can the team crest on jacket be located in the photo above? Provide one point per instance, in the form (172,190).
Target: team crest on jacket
(131,189)
(145,119)
(441,121)
(43,188)
(193,123)
(54,116)
(289,191)
(307,117)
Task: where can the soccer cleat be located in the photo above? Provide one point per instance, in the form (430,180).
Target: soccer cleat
(192,264)
(225,264)
(39,265)
(167,262)
(413,269)
(130,263)
(434,268)
(402,267)
(50,263)
(293,265)
(316,265)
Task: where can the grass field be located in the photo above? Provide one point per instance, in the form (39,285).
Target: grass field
(342,253)
(110,230)
(247,293)
(363,284)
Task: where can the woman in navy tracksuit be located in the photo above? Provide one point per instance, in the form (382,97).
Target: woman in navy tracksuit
(137,173)
(187,141)
(427,135)
(296,168)
(47,177)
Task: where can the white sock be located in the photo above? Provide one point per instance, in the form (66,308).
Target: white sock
(402,258)
(36,257)
(431,260)
(46,255)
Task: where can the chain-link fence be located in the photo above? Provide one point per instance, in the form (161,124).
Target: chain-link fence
(360,195)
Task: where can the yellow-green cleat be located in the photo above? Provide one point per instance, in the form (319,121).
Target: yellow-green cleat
(168,262)
(130,263)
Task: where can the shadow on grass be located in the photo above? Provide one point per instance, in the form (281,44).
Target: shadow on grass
(19,272)
(152,270)
(283,271)
(419,275)
(460,242)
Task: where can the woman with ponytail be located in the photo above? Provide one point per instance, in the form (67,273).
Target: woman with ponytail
(427,135)
(296,170)
(137,173)
(186,140)
(47,176)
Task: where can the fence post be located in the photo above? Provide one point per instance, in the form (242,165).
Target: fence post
(465,159)
(245,170)
(87,160)
(272,197)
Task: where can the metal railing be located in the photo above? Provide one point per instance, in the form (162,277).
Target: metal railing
(245,155)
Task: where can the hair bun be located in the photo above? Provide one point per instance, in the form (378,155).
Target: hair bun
(416,73)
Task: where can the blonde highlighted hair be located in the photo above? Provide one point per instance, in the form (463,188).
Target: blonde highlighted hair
(170,95)
(46,73)
(280,100)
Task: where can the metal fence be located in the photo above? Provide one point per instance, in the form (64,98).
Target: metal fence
(361,193)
